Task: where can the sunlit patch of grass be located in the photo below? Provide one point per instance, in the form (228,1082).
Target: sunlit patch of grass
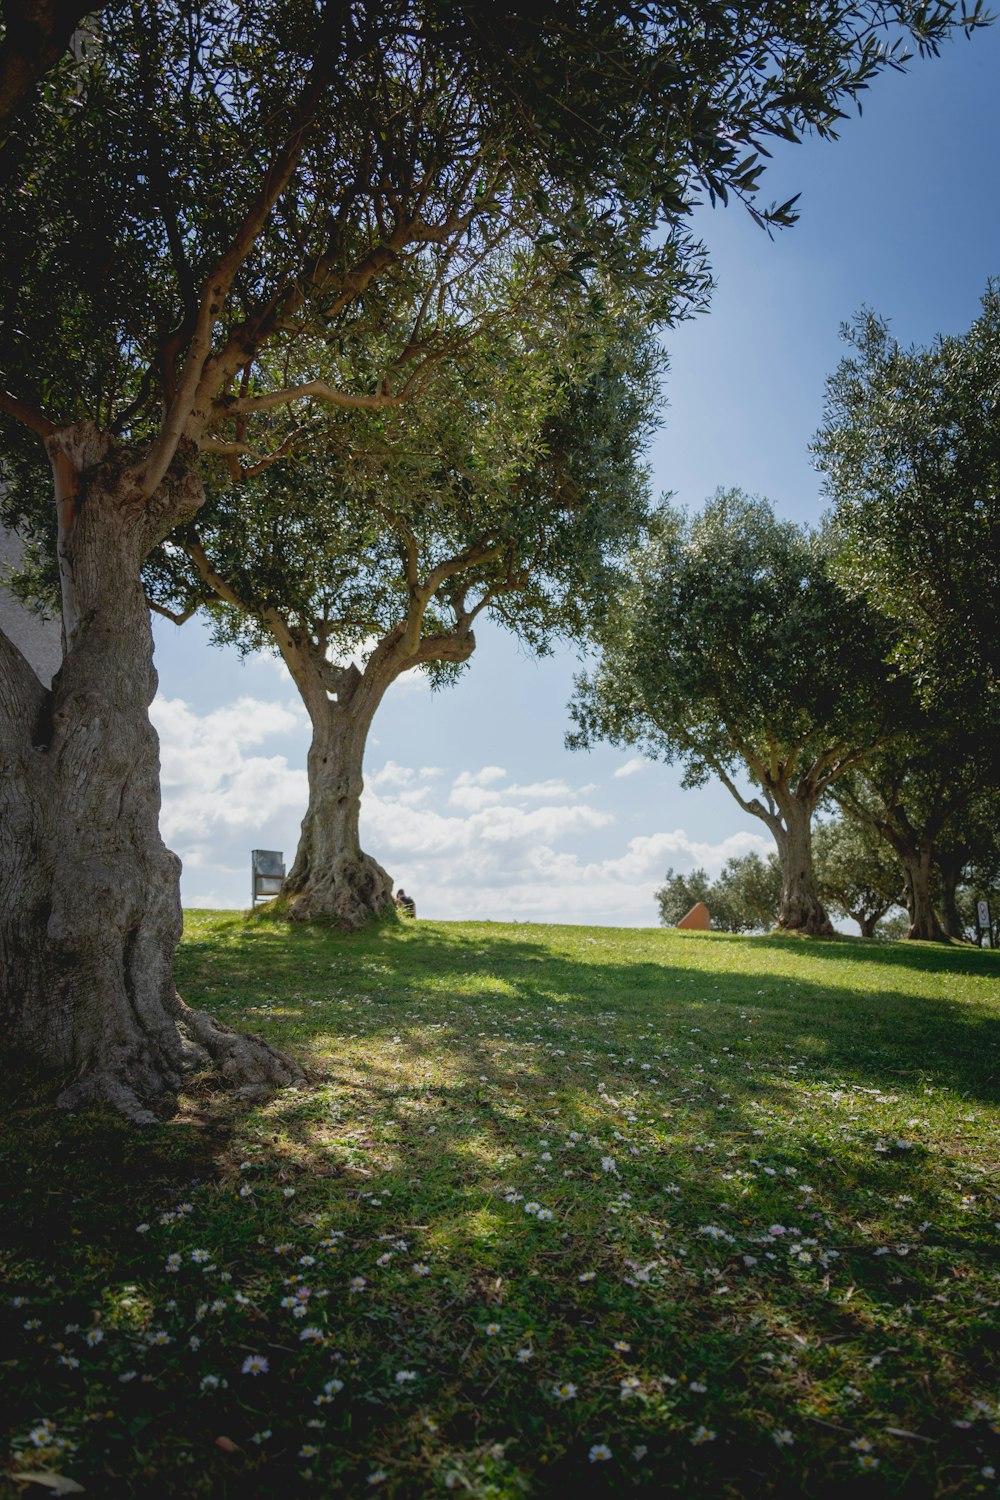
(724,1207)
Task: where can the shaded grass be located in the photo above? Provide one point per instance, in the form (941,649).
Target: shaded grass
(774,1162)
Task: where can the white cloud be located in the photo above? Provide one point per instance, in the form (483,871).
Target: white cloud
(631,767)
(467,844)
(391,774)
(485,777)
(212,789)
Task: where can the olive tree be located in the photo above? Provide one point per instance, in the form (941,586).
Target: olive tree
(506,494)
(857,873)
(197,208)
(910,450)
(732,649)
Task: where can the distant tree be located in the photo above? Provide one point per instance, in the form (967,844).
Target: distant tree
(893,927)
(731,648)
(858,874)
(746,897)
(679,893)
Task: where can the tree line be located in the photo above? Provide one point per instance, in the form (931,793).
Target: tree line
(339,322)
(853,666)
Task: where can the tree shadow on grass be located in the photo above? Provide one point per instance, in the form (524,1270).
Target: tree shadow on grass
(886,1034)
(422,1128)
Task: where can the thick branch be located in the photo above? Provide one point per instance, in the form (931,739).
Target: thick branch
(754,807)
(36,34)
(22,696)
(179,617)
(315,389)
(219,283)
(28,416)
(214,580)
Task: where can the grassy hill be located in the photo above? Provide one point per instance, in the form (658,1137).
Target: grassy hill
(564,1208)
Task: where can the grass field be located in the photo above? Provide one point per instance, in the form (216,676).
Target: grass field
(564,1210)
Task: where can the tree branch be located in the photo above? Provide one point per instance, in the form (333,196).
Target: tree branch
(754,807)
(316,389)
(36,34)
(177,616)
(28,416)
(219,283)
(215,581)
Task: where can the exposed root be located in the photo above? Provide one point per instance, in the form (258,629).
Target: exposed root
(349,895)
(143,1086)
(248,1065)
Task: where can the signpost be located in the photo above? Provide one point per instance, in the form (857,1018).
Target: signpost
(268,873)
(984,924)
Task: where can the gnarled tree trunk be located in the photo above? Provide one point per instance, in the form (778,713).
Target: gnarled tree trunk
(332,878)
(89,898)
(801,909)
(867,921)
(917,863)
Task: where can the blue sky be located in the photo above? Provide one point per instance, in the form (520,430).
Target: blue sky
(471,801)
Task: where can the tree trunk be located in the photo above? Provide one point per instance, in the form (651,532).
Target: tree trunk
(89,898)
(924,923)
(950,876)
(332,877)
(802,909)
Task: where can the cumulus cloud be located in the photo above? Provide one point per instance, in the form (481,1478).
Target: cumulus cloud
(514,852)
(468,844)
(631,766)
(485,777)
(213,789)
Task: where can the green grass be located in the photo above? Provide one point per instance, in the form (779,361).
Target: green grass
(765,1262)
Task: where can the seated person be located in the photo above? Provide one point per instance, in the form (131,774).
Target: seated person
(405,903)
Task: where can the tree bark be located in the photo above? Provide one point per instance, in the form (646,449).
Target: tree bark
(332,878)
(924,923)
(802,909)
(949,879)
(89,897)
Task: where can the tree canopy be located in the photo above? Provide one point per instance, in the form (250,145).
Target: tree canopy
(733,650)
(910,447)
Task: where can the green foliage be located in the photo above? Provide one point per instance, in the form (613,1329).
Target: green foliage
(857,873)
(737,1138)
(744,898)
(508,487)
(392,136)
(910,447)
(732,648)
(679,893)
